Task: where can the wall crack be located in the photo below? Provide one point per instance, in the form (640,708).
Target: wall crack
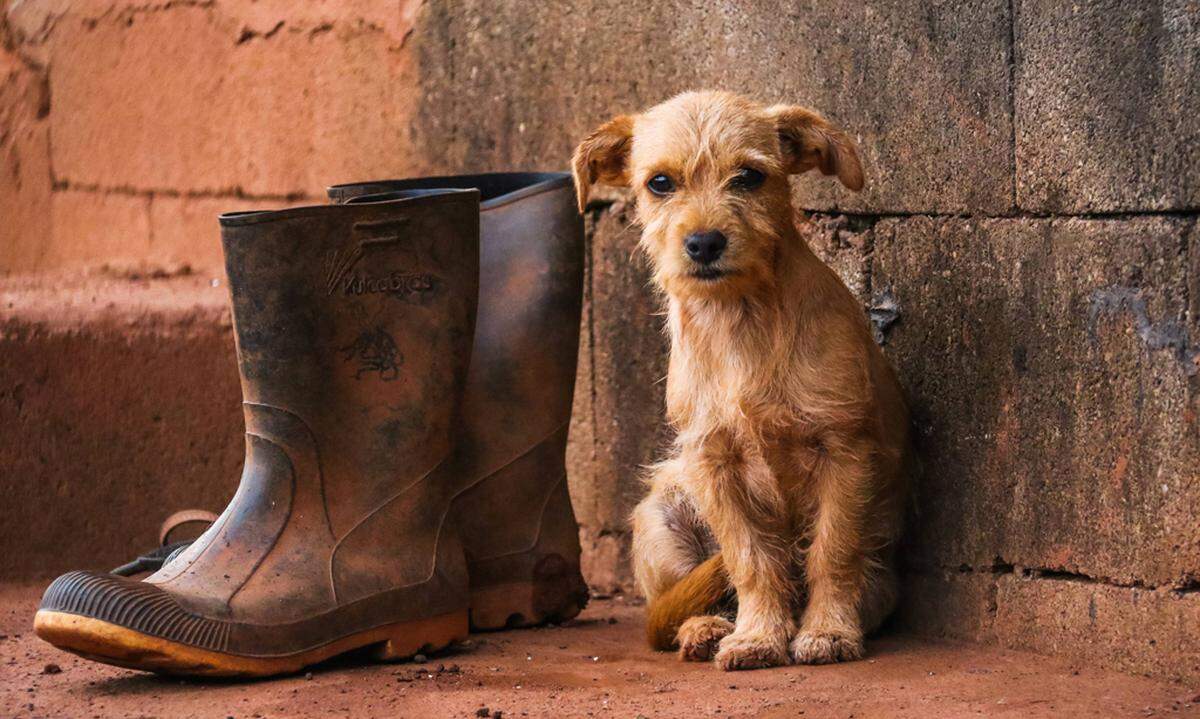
(236,193)
(1054,574)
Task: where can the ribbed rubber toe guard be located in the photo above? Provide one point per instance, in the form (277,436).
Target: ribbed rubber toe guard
(139,606)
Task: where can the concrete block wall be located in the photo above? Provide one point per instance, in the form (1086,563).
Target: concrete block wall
(1031,208)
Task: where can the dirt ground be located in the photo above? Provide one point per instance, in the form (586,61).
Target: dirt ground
(596,666)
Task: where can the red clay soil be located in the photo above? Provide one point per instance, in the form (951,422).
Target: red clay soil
(596,666)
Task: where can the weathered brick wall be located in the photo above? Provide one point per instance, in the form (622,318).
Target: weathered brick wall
(135,123)
(1033,189)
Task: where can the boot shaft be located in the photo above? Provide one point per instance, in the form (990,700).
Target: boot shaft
(358,320)
(521,380)
(512,508)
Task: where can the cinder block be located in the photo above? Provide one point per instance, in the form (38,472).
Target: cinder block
(89,229)
(1127,628)
(948,604)
(120,403)
(1107,105)
(1131,629)
(843,244)
(269,109)
(184,230)
(24,164)
(617,426)
(629,355)
(600,572)
(1052,369)
(924,88)
(605,561)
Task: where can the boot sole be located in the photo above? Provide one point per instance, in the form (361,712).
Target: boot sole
(109,643)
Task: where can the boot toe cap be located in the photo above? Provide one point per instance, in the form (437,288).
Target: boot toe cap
(119,620)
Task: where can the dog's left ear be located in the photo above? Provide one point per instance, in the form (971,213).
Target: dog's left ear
(603,157)
(808,141)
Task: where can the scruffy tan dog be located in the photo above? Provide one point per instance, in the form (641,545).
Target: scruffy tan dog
(792,432)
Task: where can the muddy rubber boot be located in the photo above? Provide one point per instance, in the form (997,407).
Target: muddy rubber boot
(512,507)
(353,327)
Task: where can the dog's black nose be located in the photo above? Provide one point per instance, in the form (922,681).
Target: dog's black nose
(705,247)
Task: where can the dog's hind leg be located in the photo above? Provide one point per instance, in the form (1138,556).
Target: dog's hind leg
(669,537)
(672,558)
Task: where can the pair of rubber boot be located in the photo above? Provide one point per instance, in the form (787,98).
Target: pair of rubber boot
(407,357)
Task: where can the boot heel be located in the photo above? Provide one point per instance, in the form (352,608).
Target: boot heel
(553,592)
(422,636)
(540,584)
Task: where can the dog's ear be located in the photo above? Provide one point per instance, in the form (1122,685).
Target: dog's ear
(603,157)
(808,141)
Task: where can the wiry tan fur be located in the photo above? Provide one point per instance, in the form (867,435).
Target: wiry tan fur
(791,430)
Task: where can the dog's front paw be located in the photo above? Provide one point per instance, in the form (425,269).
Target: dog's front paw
(816,647)
(744,651)
(698,637)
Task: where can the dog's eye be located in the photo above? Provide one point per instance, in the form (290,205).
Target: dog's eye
(661,185)
(747,178)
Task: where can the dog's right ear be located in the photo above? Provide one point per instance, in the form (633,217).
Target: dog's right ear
(809,141)
(603,158)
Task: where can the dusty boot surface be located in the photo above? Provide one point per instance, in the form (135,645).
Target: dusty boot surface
(512,505)
(354,326)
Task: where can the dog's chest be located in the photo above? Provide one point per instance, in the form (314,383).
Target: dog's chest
(718,384)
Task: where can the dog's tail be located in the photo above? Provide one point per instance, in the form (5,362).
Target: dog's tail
(701,592)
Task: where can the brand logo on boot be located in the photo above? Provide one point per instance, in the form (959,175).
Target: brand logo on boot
(400,283)
(339,263)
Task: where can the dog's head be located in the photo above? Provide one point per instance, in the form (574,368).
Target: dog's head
(710,170)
